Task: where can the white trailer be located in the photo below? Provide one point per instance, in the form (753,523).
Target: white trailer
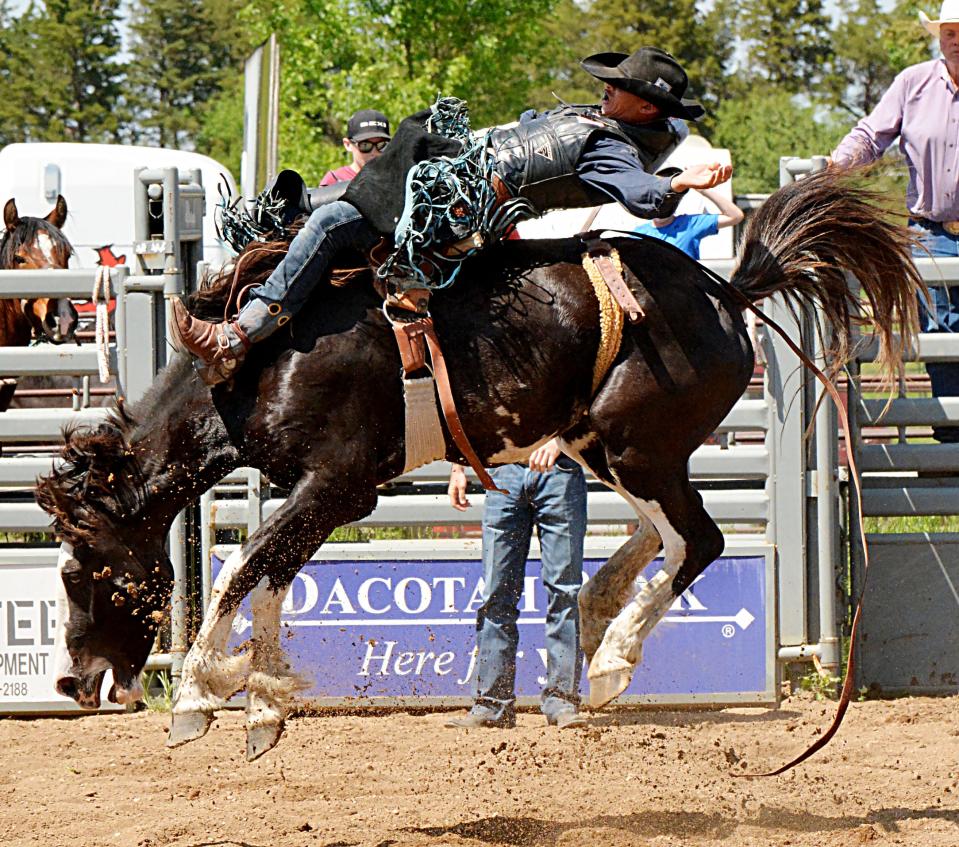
(97,181)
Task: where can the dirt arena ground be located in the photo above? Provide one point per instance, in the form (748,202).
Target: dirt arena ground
(639,779)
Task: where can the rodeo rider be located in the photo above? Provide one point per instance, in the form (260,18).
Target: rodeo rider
(572,156)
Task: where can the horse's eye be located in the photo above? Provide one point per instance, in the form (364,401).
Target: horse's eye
(72,576)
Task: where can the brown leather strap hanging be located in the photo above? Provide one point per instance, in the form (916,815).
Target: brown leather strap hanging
(410,341)
(604,258)
(453,422)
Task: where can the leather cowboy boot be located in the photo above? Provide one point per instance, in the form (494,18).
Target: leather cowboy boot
(218,347)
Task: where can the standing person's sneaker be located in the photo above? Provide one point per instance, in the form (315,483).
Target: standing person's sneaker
(481,720)
(565,719)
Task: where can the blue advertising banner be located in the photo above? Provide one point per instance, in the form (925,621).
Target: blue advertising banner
(406,629)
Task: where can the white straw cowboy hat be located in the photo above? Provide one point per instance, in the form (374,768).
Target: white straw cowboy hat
(948,14)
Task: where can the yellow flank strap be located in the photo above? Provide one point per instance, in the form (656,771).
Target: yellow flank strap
(610,318)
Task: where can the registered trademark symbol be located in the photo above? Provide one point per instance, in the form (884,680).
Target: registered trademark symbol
(728,630)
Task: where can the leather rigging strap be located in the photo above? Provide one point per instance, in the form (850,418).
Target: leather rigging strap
(600,253)
(410,337)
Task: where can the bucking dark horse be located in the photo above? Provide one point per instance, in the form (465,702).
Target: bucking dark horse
(320,410)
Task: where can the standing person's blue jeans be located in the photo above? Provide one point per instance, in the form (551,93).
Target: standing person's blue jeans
(941,314)
(554,503)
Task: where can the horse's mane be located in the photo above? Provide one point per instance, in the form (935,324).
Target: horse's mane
(99,474)
(26,232)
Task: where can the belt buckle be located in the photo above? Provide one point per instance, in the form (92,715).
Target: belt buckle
(952,227)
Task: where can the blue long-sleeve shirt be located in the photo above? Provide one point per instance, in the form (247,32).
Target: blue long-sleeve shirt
(614,167)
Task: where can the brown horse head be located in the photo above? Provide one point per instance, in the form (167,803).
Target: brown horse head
(36,244)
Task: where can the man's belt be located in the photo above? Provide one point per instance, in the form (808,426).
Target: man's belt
(951,227)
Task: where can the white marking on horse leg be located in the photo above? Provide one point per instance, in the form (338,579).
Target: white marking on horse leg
(270,686)
(621,648)
(608,591)
(209,676)
(603,597)
(62,661)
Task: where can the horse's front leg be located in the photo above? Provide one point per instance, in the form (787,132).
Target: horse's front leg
(270,686)
(209,676)
(268,561)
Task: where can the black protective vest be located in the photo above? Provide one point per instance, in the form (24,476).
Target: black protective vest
(537,158)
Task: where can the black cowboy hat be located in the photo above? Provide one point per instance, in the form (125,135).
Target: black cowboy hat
(649,73)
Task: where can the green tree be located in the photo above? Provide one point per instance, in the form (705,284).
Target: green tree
(763,125)
(787,41)
(183,54)
(871,46)
(61,72)
(701,39)
(338,56)
(220,134)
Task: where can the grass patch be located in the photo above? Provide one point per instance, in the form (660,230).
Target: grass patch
(822,685)
(157,691)
(913,523)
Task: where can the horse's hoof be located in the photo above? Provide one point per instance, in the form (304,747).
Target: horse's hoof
(188,726)
(261,738)
(603,689)
(591,637)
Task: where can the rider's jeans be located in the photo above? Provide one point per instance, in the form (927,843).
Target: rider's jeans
(331,228)
(941,314)
(554,503)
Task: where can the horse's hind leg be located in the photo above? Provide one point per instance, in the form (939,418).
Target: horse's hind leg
(691,540)
(610,589)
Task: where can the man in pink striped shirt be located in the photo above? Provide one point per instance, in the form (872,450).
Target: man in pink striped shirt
(921,108)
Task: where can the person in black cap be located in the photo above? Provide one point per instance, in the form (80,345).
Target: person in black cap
(367,135)
(572,156)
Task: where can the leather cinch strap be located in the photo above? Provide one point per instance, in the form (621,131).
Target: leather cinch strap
(600,254)
(410,338)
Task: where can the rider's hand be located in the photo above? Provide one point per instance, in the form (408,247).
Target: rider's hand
(543,458)
(457,489)
(701,176)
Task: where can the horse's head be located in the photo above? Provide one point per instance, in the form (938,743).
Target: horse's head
(114,586)
(37,243)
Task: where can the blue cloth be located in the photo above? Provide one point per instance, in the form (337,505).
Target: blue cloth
(941,314)
(684,231)
(555,504)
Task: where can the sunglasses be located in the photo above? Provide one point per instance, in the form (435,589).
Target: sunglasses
(368,146)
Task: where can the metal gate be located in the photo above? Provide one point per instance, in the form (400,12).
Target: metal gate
(169,244)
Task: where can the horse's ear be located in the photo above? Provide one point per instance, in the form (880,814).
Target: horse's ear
(11,217)
(58,217)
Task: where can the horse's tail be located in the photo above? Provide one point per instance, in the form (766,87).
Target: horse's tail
(804,239)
